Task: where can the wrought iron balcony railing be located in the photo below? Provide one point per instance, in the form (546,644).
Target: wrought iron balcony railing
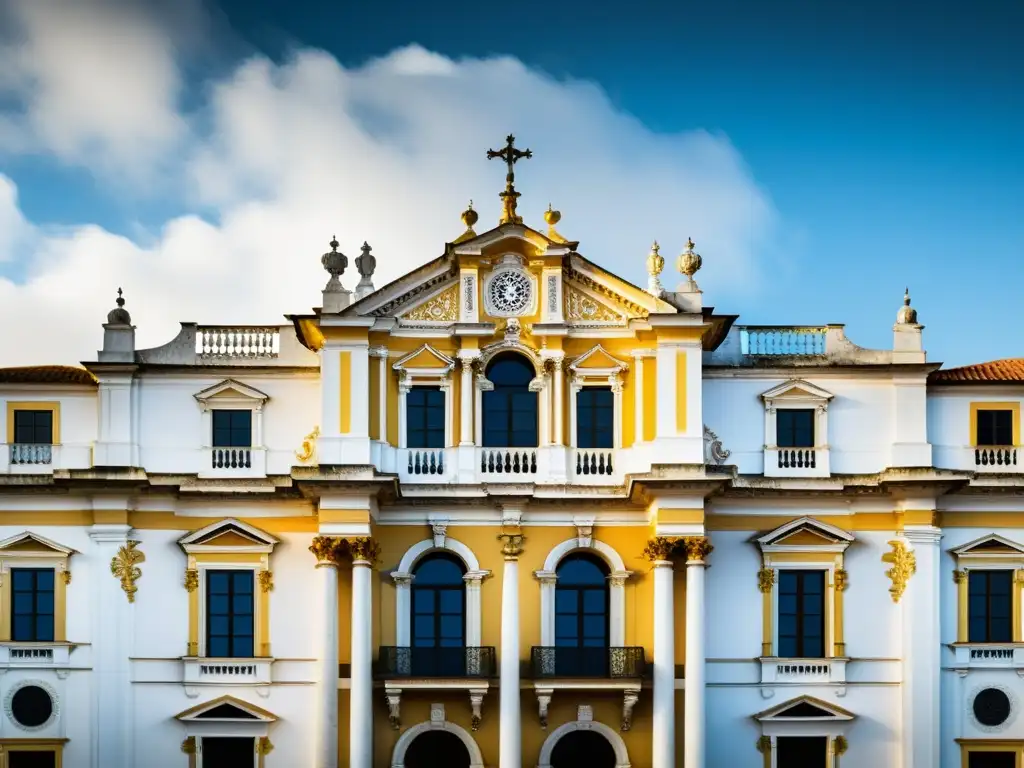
(403,661)
(565,661)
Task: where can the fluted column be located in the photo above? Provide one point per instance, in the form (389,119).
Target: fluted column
(694,735)
(327,552)
(663,730)
(510,730)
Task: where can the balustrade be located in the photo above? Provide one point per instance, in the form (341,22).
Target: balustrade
(508,461)
(593,462)
(238,342)
(597,662)
(31,453)
(231,458)
(797,458)
(782,340)
(412,662)
(425,461)
(995,457)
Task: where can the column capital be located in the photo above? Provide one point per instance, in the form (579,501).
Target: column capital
(333,550)
(661,549)
(512,544)
(379,352)
(697,549)
(766,580)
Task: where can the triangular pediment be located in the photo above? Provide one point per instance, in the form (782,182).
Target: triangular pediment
(228,535)
(517,237)
(32,543)
(804,708)
(440,307)
(597,360)
(797,389)
(426,358)
(585,306)
(805,533)
(231,390)
(226,709)
(992,545)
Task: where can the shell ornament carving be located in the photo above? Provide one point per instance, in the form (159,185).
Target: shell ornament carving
(125,566)
(443,308)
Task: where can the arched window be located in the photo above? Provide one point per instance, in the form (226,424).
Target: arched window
(438,616)
(510,409)
(581,616)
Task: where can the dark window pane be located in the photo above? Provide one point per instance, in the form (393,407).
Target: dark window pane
(232,429)
(995,427)
(33,427)
(801,614)
(510,410)
(989,606)
(439,603)
(425,417)
(229,613)
(32,604)
(794,427)
(595,407)
(581,602)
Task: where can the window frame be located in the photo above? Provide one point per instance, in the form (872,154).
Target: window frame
(427,408)
(13,406)
(800,634)
(789,411)
(424,366)
(597,368)
(230,412)
(979,555)
(436,613)
(46,555)
(35,613)
(52,746)
(205,578)
(989,572)
(531,390)
(796,394)
(776,724)
(257,726)
(969,746)
(594,409)
(1012,406)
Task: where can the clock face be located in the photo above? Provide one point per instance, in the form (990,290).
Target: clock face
(510,292)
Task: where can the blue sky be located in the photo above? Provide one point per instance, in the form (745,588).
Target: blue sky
(884,140)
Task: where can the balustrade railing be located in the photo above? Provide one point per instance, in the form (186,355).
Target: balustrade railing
(594,461)
(238,342)
(231,458)
(598,662)
(991,654)
(782,340)
(404,661)
(227,669)
(994,457)
(31,654)
(797,458)
(31,453)
(791,670)
(508,461)
(426,461)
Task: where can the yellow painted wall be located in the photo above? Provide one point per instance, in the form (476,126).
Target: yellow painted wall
(650,398)
(374,384)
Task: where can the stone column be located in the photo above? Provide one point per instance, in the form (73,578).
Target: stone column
(558,380)
(914,572)
(404,385)
(364,553)
(697,550)
(663,732)
(327,551)
(510,738)
(112,646)
(466,401)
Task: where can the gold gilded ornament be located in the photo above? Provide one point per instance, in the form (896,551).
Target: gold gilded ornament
(661,548)
(191,579)
(904,565)
(266,579)
(125,566)
(841,580)
(766,579)
(305,453)
(188,746)
(697,548)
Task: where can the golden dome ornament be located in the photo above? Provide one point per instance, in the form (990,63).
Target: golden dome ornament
(469,218)
(907,314)
(552,217)
(689,263)
(655,263)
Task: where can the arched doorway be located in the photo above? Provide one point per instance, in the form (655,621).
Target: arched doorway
(587,748)
(437,749)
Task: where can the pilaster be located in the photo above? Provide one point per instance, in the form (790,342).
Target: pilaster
(510,739)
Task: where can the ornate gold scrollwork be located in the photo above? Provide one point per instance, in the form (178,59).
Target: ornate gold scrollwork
(125,566)
(764,744)
(511,544)
(840,745)
(697,548)
(266,580)
(191,579)
(305,453)
(904,565)
(188,746)
(766,579)
(841,579)
(661,548)
(959,577)
(334,550)
(264,746)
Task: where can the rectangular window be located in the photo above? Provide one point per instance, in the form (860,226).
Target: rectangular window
(794,427)
(33,427)
(425,417)
(990,611)
(229,614)
(32,605)
(991,760)
(595,417)
(995,427)
(802,614)
(801,751)
(228,751)
(232,429)
(18,758)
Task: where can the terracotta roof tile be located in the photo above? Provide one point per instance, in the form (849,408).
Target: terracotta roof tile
(47,374)
(1010,369)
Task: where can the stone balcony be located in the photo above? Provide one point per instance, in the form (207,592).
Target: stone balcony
(42,458)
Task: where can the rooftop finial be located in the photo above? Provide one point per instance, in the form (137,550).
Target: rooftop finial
(365,263)
(509,197)
(907,314)
(689,263)
(119,315)
(335,297)
(655,263)
(552,217)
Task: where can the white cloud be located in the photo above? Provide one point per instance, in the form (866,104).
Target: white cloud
(389,152)
(15,231)
(96,81)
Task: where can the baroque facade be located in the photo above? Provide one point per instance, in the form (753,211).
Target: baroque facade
(511,510)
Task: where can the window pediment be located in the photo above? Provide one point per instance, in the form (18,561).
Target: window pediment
(29,545)
(231,393)
(229,535)
(226,709)
(797,392)
(597,362)
(806,709)
(805,535)
(992,546)
(425,361)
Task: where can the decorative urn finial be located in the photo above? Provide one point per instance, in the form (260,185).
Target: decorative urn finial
(470,217)
(907,314)
(335,263)
(655,263)
(689,261)
(552,217)
(119,315)
(366,262)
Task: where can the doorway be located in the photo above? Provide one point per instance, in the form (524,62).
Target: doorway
(583,748)
(228,752)
(992,760)
(801,751)
(437,749)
